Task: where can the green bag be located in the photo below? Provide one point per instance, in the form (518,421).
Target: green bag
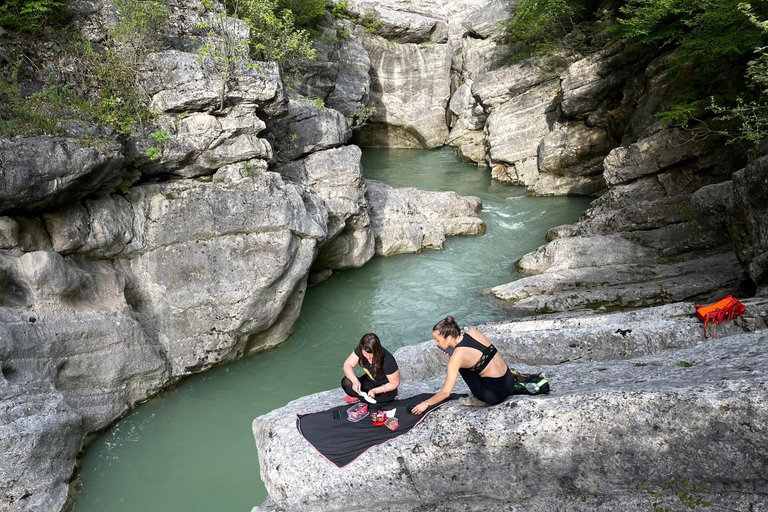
(530,385)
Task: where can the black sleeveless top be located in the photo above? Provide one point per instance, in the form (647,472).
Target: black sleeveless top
(487,352)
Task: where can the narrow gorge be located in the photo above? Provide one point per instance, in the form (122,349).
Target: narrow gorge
(130,261)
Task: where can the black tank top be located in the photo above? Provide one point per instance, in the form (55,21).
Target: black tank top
(486,356)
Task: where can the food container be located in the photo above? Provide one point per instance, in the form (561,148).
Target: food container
(379,418)
(357,412)
(392,424)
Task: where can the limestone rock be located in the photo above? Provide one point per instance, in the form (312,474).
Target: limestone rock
(32,235)
(595,83)
(656,153)
(73,359)
(475,57)
(9,233)
(308,128)
(585,337)
(336,177)
(488,21)
(578,251)
(678,413)
(39,440)
(69,227)
(410,89)
(705,279)
(574,149)
(748,222)
(399,25)
(408,220)
(180,81)
(515,129)
(340,74)
(495,87)
(43,172)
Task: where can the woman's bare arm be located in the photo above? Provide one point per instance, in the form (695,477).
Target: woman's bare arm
(393,381)
(451,376)
(349,371)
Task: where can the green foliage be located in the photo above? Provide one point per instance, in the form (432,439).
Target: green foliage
(277,32)
(678,491)
(160,137)
(369,23)
(319,103)
(32,16)
(713,33)
(32,115)
(224,48)
(141,23)
(112,79)
(307,14)
(540,26)
(685,364)
(341,10)
(251,170)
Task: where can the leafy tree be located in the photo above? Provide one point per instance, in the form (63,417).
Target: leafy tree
(224,47)
(277,32)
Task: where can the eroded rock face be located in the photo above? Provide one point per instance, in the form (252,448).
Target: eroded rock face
(738,206)
(336,177)
(410,89)
(40,173)
(72,359)
(407,220)
(458,453)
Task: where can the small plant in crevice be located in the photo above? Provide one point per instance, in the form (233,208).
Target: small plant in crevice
(677,492)
(160,137)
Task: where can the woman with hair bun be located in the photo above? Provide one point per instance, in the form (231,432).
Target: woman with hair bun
(474,357)
(380,377)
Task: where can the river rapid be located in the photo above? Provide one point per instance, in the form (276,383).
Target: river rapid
(192,449)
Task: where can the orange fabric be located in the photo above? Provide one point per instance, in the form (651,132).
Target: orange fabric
(721,311)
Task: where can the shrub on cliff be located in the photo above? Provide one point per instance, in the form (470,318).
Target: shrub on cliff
(281,30)
(718,50)
(32,16)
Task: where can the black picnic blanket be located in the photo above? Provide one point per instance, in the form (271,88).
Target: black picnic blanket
(342,441)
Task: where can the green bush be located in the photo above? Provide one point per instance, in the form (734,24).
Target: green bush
(141,23)
(32,16)
(281,30)
(540,26)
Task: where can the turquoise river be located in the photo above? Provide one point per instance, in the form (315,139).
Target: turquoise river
(192,449)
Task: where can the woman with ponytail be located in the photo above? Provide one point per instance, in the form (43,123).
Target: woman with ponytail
(474,357)
(380,377)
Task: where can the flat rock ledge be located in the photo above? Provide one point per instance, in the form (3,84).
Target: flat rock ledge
(608,435)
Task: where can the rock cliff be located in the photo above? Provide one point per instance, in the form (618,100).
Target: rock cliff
(127,266)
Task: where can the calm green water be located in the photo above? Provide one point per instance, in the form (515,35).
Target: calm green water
(192,449)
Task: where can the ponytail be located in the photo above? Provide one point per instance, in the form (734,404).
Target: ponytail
(448,328)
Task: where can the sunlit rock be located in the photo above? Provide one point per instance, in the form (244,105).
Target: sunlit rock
(406,220)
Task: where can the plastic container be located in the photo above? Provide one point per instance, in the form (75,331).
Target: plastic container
(532,388)
(379,418)
(392,424)
(357,412)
